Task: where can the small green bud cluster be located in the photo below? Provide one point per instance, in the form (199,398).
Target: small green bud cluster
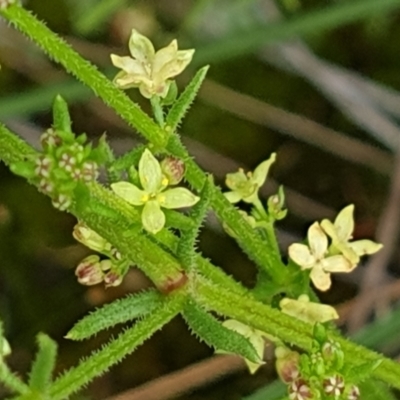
(93,270)
(321,374)
(65,161)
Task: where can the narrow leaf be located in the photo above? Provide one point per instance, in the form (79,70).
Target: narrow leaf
(42,368)
(61,117)
(114,352)
(187,244)
(211,331)
(117,312)
(182,105)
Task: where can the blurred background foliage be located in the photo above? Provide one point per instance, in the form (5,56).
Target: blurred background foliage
(316,81)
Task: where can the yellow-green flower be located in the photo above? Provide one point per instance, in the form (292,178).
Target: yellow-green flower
(153,194)
(307,311)
(245,186)
(148,70)
(341,232)
(315,257)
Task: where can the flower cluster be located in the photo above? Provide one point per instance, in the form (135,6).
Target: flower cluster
(245,187)
(153,193)
(317,375)
(342,255)
(93,270)
(148,70)
(65,161)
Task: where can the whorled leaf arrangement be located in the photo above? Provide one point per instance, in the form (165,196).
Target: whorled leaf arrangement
(123,225)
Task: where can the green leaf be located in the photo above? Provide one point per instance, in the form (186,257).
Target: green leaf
(187,244)
(177,220)
(182,105)
(130,158)
(42,368)
(116,350)
(25,169)
(211,331)
(372,389)
(61,117)
(274,391)
(117,312)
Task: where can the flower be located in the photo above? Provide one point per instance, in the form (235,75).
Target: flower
(334,386)
(153,195)
(341,232)
(245,186)
(307,311)
(314,257)
(148,70)
(254,336)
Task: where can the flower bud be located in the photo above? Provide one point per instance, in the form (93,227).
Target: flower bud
(332,352)
(50,139)
(90,238)
(174,169)
(287,364)
(112,279)
(300,390)
(89,271)
(354,393)
(317,364)
(5,348)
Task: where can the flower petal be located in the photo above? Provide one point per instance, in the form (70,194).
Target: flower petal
(317,240)
(126,81)
(301,255)
(153,219)
(174,67)
(128,64)
(150,174)
(337,263)
(320,278)
(141,48)
(233,197)
(130,193)
(365,246)
(164,56)
(177,198)
(236,180)
(344,223)
(261,172)
(308,311)
(329,229)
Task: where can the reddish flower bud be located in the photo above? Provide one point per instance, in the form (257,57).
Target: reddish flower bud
(287,364)
(112,279)
(174,169)
(89,271)
(299,390)
(354,393)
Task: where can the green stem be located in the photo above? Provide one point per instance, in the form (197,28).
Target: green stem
(116,350)
(61,52)
(249,240)
(249,311)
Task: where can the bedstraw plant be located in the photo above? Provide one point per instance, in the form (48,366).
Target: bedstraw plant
(127,221)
